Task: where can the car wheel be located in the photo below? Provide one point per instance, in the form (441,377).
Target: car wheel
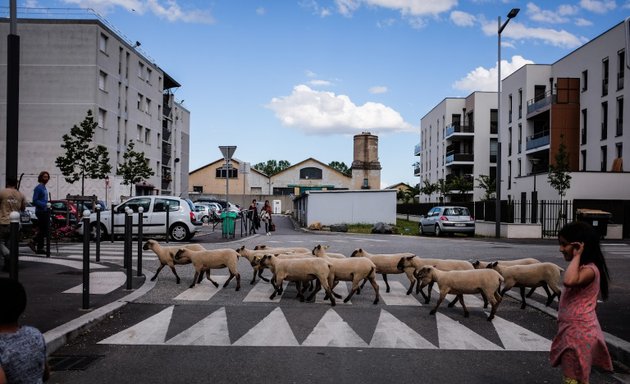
(205,219)
(93,227)
(179,232)
(438,231)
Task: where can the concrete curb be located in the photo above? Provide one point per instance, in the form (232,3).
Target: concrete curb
(58,337)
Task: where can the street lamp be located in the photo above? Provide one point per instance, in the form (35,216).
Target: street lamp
(497,218)
(227,151)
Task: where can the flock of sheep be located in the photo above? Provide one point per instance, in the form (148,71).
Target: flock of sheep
(326,269)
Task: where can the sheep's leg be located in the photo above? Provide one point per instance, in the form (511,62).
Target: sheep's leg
(158,271)
(260,271)
(300,290)
(200,277)
(550,297)
(419,290)
(485,299)
(275,284)
(440,299)
(174,273)
(412,279)
(427,298)
(324,283)
(386,283)
(531,292)
(494,305)
(195,279)
(461,301)
(253,277)
(318,287)
(376,289)
(452,303)
(216,285)
(523,305)
(238,280)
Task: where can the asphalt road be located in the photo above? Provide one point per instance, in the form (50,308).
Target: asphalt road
(174,334)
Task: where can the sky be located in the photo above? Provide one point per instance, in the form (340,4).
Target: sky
(293,79)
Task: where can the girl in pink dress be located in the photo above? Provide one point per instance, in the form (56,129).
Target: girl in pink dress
(579,343)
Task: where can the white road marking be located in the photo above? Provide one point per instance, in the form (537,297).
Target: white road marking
(397,294)
(333,331)
(204,291)
(102,283)
(516,338)
(454,335)
(261,291)
(212,330)
(150,331)
(68,263)
(272,331)
(393,333)
(341,289)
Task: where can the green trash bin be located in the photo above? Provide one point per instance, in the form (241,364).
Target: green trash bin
(227,223)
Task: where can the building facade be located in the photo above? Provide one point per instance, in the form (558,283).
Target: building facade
(68,67)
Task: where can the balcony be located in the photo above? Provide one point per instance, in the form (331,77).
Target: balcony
(540,103)
(459,158)
(537,140)
(417,149)
(457,128)
(416,169)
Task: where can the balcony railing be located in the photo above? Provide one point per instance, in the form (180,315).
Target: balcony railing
(458,128)
(537,140)
(417,149)
(459,157)
(539,102)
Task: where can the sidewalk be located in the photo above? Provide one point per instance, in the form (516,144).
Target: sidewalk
(60,315)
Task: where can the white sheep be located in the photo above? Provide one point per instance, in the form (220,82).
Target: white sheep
(254,255)
(478,264)
(270,250)
(300,271)
(351,269)
(165,255)
(386,263)
(442,264)
(204,261)
(531,275)
(460,283)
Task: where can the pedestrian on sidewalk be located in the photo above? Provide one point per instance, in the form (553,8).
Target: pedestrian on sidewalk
(22,348)
(579,343)
(40,200)
(265,216)
(253,216)
(10,200)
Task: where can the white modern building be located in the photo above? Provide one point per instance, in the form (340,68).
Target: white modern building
(70,66)
(458,139)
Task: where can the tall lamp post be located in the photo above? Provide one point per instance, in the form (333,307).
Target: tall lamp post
(497,219)
(227,151)
(13,93)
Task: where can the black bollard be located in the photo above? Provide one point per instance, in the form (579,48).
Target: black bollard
(48,232)
(168,217)
(98,232)
(111,225)
(140,223)
(86,260)
(14,244)
(128,237)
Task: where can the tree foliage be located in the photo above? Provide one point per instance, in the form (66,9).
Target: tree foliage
(462,184)
(489,186)
(341,167)
(134,168)
(82,158)
(428,188)
(271,167)
(559,176)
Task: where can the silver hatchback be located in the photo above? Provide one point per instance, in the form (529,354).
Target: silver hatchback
(447,219)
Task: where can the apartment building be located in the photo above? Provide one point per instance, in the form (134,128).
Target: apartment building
(70,66)
(458,139)
(577,101)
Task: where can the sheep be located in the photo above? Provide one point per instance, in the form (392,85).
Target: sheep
(264,247)
(166,254)
(532,275)
(442,264)
(251,256)
(351,269)
(464,282)
(528,260)
(301,270)
(386,263)
(204,261)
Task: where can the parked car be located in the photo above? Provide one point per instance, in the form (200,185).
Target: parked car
(215,207)
(182,219)
(83,205)
(221,203)
(447,219)
(64,212)
(203,213)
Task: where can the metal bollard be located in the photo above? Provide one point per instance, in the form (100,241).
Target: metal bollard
(140,223)
(128,237)
(86,260)
(98,232)
(48,206)
(168,216)
(14,244)
(111,225)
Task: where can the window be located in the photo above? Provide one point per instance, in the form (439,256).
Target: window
(621,62)
(584,81)
(198,188)
(493,121)
(603,155)
(102,81)
(583,160)
(141,70)
(510,141)
(140,100)
(134,204)
(493,150)
(509,108)
(147,136)
(518,171)
(605,77)
(221,172)
(604,120)
(160,205)
(101,118)
(159,140)
(149,73)
(509,186)
(120,59)
(619,148)
(139,131)
(310,173)
(102,43)
(520,103)
(619,122)
(520,140)
(584,126)
(147,107)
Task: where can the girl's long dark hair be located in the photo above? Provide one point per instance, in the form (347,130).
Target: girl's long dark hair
(579,231)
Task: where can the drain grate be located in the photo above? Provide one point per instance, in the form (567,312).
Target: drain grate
(71,363)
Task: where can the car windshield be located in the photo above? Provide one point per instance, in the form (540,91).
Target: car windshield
(456,211)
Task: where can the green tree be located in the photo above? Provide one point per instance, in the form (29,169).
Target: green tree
(428,188)
(558,176)
(83,159)
(488,184)
(463,184)
(271,167)
(442,188)
(134,168)
(341,167)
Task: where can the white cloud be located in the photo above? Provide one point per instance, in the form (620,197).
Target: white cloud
(414,7)
(557,38)
(580,22)
(165,9)
(319,83)
(378,89)
(463,19)
(598,6)
(558,16)
(318,112)
(482,79)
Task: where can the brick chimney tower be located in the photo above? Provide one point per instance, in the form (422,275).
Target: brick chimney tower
(366,169)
